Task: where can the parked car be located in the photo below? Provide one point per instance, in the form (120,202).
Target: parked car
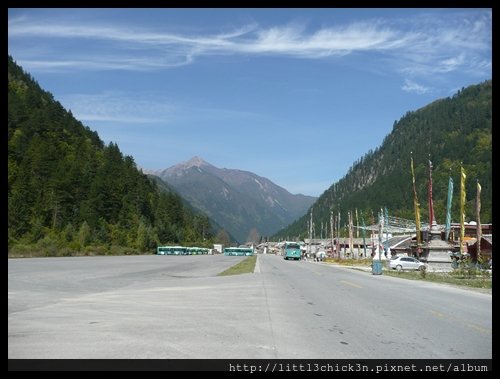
(406,263)
(320,256)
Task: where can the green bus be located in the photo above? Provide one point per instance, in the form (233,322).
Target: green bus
(171,250)
(238,251)
(292,251)
(197,250)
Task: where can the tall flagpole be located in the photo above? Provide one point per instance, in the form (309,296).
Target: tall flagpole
(386,214)
(357,232)
(338,234)
(351,253)
(331,229)
(431,205)
(357,224)
(417,209)
(381,230)
(372,237)
(309,246)
(448,207)
(478,211)
(462,207)
(363,231)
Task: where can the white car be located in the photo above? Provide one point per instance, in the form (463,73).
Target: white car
(406,263)
(320,256)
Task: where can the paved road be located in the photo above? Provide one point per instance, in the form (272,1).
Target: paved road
(176,307)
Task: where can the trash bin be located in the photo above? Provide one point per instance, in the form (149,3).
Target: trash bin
(376,267)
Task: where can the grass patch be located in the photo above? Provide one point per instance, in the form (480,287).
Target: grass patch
(467,277)
(482,280)
(350,262)
(49,249)
(244,267)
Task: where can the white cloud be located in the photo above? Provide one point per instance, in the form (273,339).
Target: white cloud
(453,63)
(427,44)
(119,107)
(410,86)
(139,108)
(289,39)
(446,43)
(103,63)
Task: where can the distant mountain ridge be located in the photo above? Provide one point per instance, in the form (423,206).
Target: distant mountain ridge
(240,201)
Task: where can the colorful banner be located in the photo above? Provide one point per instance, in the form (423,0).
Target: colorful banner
(338,235)
(448,208)
(416,206)
(386,247)
(478,211)
(462,208)
(431,205)
(349,215)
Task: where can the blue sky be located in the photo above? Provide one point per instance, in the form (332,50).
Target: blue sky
(294,95)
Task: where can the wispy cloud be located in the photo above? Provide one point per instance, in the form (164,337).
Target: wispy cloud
(119,107)
(107,63)
(292,40)
(249,39)
(410,86)
(430,44)
(444,44)
(138,108)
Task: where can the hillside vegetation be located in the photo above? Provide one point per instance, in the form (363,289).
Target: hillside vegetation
(449,131)
(249,207)
(69,193)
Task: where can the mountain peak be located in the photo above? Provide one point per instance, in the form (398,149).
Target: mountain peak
(196,162)
(183,167)
(239,201)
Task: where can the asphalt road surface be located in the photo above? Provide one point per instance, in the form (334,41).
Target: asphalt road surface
(176,307)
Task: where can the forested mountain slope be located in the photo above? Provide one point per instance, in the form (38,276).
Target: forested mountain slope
(69,192)
(246,205)
(450,131)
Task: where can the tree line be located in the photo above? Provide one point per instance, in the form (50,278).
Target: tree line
(451,132)
(69,193)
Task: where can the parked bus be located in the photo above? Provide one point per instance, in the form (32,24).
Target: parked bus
(197,250)
(238,251)
(171,250)
(292,251)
